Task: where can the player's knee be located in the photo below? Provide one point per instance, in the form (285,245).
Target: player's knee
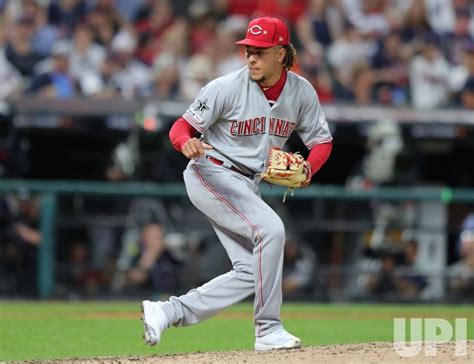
(275,231)
(243,269)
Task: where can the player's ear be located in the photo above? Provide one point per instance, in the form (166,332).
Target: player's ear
(281,54)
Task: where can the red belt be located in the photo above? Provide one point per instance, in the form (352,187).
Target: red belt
(232,168)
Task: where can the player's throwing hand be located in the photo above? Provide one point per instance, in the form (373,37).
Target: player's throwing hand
(194,148)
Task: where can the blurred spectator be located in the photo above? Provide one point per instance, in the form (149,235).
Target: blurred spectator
(166,79)
(203,27)
(85,56)
(66,14)
(25,238)
(467,94)
(198,72)
(58,81)
(397,277)
(356,51)
(154,267)
(454,43)
(154,18)
(236,7)
(104,84)
(369,16)
(349,57)
(103,24)
(19,50)
(363,79)
(413,281)
(10,79)
(466,225)
(461,72)
(229,59)
(440,14)
(133,77)
(298,268)
(461,274)
(415,22)
(320,25)
(429,76)
(288,10)
(463,75)
(169,65)
(45,34)
(391,71)
(77,275)
(128,10)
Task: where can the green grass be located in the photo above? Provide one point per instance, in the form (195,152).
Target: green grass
(42,330)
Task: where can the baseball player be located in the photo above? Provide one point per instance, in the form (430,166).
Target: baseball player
(240,117)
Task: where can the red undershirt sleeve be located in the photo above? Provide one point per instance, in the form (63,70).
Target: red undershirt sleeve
(181,131)
(318,155)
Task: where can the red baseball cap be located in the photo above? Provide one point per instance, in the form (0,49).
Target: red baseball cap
(266,32)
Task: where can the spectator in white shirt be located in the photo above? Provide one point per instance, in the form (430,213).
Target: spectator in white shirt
(134,77)
(429,77)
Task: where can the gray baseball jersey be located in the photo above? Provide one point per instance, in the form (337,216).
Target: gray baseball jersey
(235,118)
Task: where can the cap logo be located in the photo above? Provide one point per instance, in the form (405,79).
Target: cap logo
(280,39)
(256,30)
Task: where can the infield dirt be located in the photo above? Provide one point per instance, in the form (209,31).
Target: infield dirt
(353,353)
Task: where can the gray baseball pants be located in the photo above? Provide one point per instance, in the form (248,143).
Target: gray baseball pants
(253,236)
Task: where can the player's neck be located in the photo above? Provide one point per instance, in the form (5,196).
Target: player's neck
(272,80)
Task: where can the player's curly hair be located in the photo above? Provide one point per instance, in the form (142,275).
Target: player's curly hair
(290,56)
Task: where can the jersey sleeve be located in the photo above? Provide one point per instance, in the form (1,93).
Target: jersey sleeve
(206,108)
(312,125)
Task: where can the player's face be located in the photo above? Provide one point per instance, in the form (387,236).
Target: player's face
(265,64)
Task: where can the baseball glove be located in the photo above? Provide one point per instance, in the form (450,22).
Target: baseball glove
(286,169)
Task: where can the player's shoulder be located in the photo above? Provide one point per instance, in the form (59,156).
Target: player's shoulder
(231,79)
(299,82)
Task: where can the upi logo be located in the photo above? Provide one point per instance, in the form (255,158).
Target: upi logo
(436,331)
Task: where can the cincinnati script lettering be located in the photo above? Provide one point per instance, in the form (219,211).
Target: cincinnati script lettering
(255,126)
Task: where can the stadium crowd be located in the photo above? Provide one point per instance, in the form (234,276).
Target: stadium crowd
(416,53)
